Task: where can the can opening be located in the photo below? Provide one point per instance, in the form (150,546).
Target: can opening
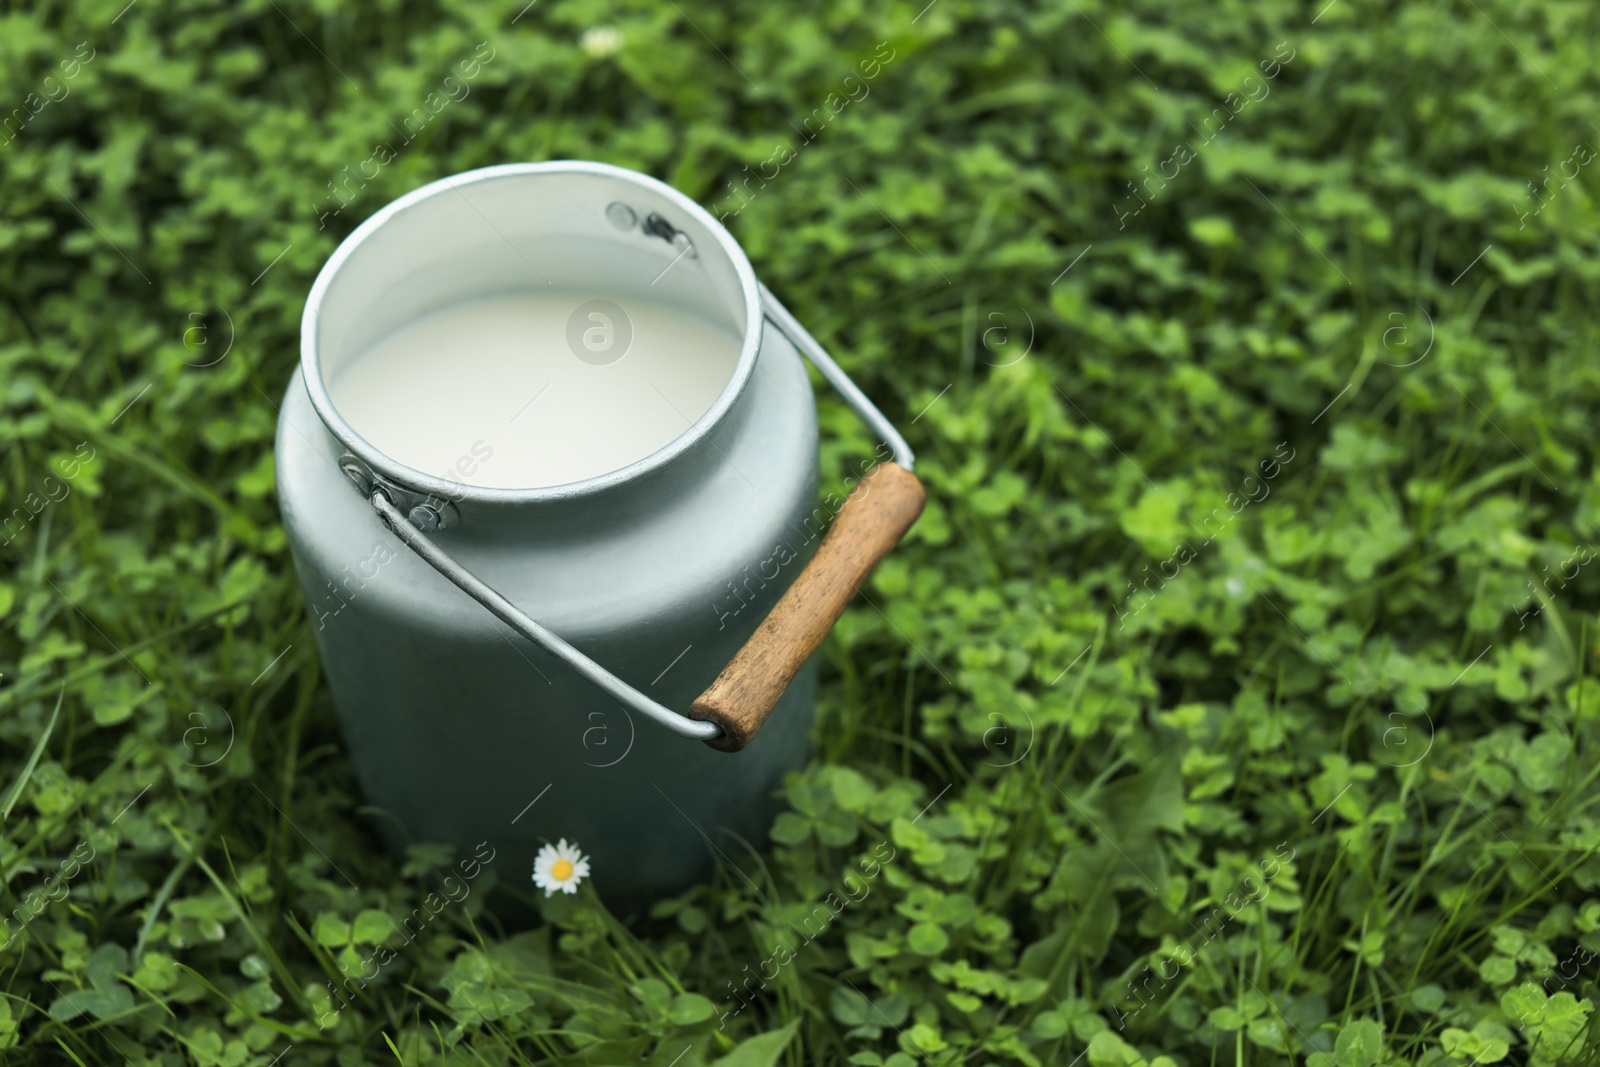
(531,326)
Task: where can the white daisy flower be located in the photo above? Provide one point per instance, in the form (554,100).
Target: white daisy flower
(601,41)
(559,866)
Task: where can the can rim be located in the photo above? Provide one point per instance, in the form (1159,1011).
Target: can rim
(381,463)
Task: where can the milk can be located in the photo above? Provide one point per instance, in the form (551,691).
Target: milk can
(590,657)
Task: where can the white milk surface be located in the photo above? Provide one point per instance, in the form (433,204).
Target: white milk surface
(491,393)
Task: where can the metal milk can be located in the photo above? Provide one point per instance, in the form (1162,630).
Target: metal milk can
(514,666)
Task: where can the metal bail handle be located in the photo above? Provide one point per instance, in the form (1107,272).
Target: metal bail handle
(876,514)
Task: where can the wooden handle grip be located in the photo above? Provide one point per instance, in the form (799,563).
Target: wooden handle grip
(875,516)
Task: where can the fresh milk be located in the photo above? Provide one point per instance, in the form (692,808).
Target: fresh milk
(535,389)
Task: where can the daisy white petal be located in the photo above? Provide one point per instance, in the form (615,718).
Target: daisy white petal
(560,866)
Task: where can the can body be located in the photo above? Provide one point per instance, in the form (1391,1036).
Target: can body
(463,732)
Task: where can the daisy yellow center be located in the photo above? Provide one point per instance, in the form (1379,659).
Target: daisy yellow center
(561,870)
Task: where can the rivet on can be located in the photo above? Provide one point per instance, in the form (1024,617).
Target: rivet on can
(621,215)
(424,518)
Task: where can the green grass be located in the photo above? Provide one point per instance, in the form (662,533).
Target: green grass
(1241,669)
